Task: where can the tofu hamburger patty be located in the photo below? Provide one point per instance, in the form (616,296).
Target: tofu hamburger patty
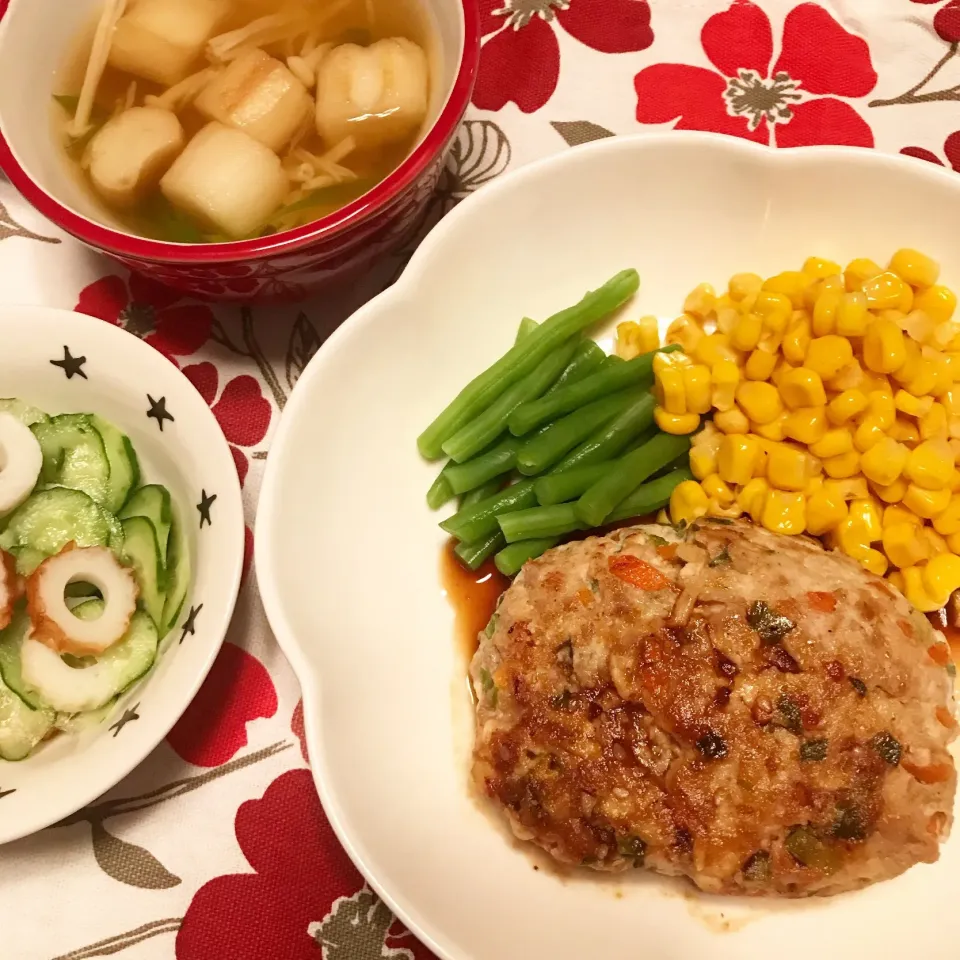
(743,709)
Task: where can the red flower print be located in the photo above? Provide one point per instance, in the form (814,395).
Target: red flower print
(792,103)
(521,61)
(951,149)
(213,729)
(151,311)
(242,411)
(305,899)
(947,20)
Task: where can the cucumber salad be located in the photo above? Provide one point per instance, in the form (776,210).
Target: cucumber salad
(94,571)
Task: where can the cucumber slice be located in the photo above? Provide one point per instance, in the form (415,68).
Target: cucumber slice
(124,466)
(74,455)
(26,414)
(48,520)
(21,728)
(152,502)
(178,576)
(141,551)
(10,640)
(76,689)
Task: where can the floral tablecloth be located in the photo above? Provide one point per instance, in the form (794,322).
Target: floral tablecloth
(217,846)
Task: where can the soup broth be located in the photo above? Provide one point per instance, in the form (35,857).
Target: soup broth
(220,120)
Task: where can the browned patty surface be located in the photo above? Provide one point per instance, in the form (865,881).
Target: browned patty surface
(743,709)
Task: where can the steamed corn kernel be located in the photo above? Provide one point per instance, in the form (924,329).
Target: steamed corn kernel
(802,387)
(716,488)
(759,401)
(883,349)
(872,560)
(787,467)
(678,424)
(725,375)
(948,522)
(895,513)
(902,545)
(670,390)
(703,461)
(934,423)
(842,466)
(941,576)
(784,512)
(790,283)
(760,365)
(825,310)
(915,590)
(937,302)
(733,420)
(883,462)
(827,355)
(737,458)
(891,492)
(860,270)
(926,503)
(796,341)
(930,465)
(935,544)
(905,431)
(852,315)
(686,332)
(866,511)
(847,405)
(820,269)
(849,488)
(833,443)
(744,284)
(911,405)
(806,424)
(825,511)
(701,301)
(770,431)
(915,267)
(746,332)
(688,502)
(881,407)
(868,434)
(712,348)
(953,542)
(696,387)
(752,497)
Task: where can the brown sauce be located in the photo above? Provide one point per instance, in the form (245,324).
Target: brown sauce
(473,594)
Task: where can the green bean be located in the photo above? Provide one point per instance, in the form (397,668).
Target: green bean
(600,500)
(512,557)
(542,450)
(494,462)
(480,520)
(472,555)
(613,438)
(588,359)
(650,496)
(523,357)
(470,439)
(561,487)
(440,491)
(539,522)
(485,490)
(599,384)
(527,326)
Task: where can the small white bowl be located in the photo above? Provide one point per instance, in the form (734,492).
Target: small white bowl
(348,553)
(191,458)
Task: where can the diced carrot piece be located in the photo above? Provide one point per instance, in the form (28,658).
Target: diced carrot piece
(637,572)
(586,597)
(946,717)
(822,601)
(933,773)
(939,653)
(668,551)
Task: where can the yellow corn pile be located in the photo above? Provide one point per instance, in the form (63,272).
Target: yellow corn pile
(835,396)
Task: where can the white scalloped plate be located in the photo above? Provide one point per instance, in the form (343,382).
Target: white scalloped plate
(348,554)
(191,457)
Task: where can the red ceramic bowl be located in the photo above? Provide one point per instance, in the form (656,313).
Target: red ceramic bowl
(38,36)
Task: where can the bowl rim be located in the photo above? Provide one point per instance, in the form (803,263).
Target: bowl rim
(364,857)
(357,211)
